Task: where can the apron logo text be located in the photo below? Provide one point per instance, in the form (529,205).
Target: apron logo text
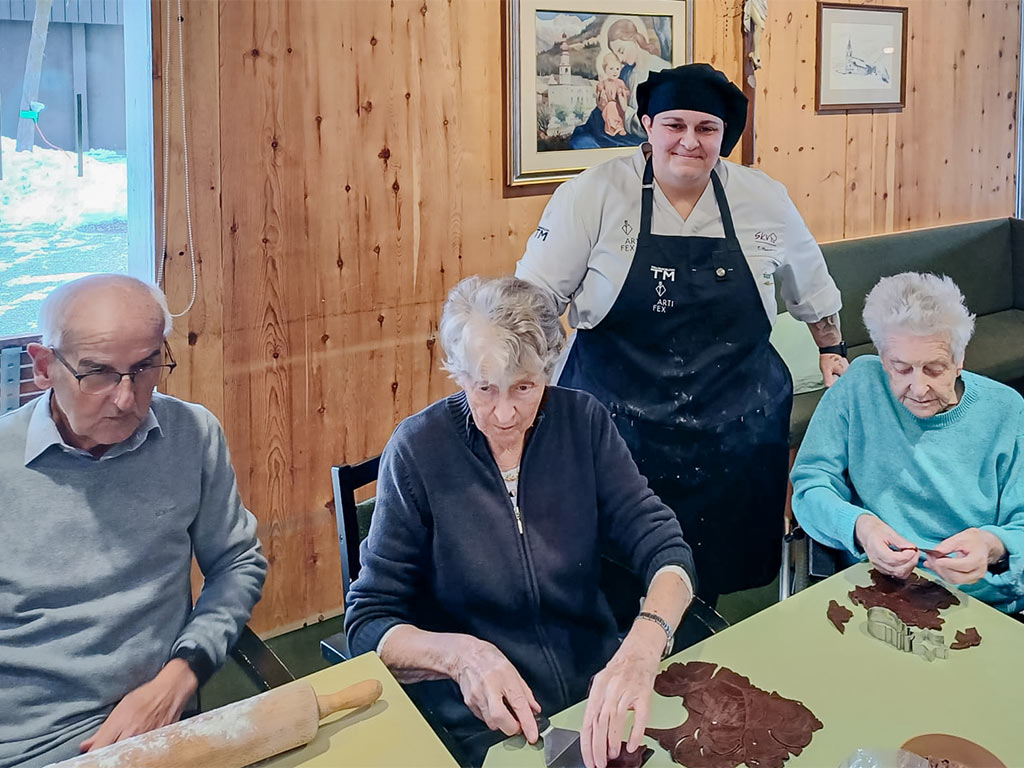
(664,273)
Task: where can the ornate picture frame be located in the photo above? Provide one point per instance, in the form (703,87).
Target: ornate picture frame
(571,68)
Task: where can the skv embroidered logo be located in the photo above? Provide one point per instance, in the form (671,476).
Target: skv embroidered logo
(541,233)
(768,238)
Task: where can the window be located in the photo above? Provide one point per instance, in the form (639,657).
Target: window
(66,209)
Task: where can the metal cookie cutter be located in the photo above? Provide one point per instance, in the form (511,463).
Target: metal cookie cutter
(886,626)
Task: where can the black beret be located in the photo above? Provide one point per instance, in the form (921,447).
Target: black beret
(699,87)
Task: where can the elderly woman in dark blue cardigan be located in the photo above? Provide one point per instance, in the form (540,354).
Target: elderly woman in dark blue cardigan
(480,575)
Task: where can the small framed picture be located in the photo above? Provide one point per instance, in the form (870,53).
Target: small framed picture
(572,68)
(862,57)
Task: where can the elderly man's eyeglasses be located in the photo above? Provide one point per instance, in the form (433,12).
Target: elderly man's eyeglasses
(101,382)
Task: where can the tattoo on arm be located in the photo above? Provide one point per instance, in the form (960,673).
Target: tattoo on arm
(826,331)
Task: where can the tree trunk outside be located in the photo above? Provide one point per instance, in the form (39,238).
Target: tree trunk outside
(33,70)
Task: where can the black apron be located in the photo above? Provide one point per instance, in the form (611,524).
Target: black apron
(684,364)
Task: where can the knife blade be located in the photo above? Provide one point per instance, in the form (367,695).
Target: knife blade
(561,745)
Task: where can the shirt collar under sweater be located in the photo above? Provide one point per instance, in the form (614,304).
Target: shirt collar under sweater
(42,433)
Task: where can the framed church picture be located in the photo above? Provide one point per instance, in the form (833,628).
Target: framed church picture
(862,57)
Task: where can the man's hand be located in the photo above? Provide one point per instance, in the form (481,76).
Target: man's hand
(877,540)
(152,705)
(624,685)
(976,550)
(832,367)
(493,689)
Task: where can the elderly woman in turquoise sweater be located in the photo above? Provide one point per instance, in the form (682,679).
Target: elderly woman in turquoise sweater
(909,459)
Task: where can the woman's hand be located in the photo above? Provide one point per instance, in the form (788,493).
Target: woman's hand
(878,541)
(493,689)
(976,550)
(625,684)
(832,367)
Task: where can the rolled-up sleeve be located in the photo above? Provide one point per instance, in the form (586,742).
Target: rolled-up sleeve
(809,291)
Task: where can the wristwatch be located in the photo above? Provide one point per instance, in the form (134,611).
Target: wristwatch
(835,349)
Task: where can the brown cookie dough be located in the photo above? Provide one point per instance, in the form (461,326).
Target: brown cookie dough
(916,600)
(839,615)
(966,639)
(631,759)
(731,721)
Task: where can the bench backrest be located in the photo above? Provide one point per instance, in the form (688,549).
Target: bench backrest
(977,255)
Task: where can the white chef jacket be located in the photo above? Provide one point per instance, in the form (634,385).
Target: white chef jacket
(583,248)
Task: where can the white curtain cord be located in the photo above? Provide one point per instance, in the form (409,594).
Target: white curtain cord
(184,146)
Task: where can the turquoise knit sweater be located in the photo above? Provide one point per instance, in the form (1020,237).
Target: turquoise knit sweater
(864,452)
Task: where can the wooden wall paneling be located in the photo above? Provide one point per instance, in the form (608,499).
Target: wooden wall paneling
(858,202)
(718,36)
(265,254)
(953,138)
(804,151)
(494,229)
(200,372)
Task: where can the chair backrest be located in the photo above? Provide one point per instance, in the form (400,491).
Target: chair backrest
(353,519)
(259,662)
(16,384)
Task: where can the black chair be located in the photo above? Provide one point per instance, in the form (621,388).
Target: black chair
(353,526)
(353,519)
(259,662)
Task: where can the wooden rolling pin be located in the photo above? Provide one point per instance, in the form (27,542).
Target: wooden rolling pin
(235,735)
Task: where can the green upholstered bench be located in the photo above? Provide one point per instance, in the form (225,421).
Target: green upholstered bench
(985,258)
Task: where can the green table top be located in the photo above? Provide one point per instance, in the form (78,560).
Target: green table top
(866,693)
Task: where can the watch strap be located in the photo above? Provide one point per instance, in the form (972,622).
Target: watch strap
(835,349)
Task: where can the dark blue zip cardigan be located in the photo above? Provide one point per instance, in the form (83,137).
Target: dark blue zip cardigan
(445,553)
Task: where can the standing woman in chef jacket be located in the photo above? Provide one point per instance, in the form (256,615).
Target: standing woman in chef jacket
(667,260)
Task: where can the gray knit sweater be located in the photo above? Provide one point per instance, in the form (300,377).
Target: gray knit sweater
(94,568)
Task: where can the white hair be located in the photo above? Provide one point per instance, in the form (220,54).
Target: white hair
(53,312)
(505,322)
(918,304)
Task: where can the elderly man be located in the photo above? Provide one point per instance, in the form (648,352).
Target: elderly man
(909,456)
(108,490)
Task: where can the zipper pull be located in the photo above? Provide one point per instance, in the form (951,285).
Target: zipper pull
(519,519)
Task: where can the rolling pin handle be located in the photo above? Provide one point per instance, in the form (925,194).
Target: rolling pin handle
(359,695)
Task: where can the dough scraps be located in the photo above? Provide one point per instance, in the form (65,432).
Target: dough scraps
(966,639)
(839,615)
